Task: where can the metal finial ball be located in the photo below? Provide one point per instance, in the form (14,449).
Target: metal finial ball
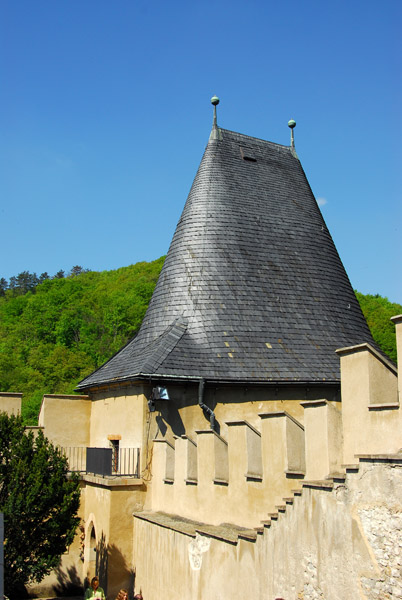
(292,124)
(214,100)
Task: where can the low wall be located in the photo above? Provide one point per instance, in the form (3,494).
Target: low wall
(332,543)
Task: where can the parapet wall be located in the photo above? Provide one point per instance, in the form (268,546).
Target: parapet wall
(244,477)
(214,480)
(10,403)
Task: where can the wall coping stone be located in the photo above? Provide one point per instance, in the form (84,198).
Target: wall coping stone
(112,482)
(226,532)
(242,422)
(155,441)
(12,394)
(209,432)
(67,396)
(312,403)
(368,348)
(282,413)
(186,437)
(391,458)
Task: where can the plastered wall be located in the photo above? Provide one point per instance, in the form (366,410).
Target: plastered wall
(66,419)
(330,544)
(10,403)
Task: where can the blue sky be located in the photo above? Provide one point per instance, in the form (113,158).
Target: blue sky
(105,112)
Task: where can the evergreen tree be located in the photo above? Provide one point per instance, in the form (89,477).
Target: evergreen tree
(76,270)
(43,277)
(3,286)
(39,503)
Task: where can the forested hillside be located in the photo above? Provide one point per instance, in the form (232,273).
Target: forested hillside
(63,328)
(55,331)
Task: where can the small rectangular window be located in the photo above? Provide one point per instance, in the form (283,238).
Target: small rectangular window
(247,154)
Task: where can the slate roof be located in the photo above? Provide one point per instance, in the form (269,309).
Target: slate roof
(252,288)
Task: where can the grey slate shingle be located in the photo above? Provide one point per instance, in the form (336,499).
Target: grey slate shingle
(252,288)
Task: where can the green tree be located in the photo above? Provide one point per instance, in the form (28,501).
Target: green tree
(3,286)
(39,502)
(378,312)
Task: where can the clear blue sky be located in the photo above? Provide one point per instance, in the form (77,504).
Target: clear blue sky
(105,112)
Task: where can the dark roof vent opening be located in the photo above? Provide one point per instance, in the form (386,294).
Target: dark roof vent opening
(247,154)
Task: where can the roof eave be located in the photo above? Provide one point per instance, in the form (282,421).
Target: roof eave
(161,377)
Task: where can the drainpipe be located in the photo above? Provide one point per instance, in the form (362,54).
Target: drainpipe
(204,407)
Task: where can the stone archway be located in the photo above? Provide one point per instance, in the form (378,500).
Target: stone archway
(90,550)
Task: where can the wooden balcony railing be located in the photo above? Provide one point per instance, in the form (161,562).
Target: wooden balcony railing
(124,462)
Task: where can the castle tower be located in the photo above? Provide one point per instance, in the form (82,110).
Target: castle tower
(252,289)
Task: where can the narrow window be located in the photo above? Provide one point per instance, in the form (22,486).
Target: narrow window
(115,455)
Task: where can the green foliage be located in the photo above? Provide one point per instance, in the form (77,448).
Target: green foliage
(53,336)
(378,312)
(39,503)
(58,332)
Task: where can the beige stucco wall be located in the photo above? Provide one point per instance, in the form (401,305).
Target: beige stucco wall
(238,480)
(371,415)
(239,411)
(337,544)
(397,320)
(109,506)
(66,419)
(10,403)
(182,415)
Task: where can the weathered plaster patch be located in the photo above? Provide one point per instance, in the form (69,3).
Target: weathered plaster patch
(311,590)
(196,548)
(382,526)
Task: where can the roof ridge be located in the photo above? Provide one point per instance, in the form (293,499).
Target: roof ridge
(261,140)
(165,344)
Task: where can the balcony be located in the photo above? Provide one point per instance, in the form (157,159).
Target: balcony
(105,462)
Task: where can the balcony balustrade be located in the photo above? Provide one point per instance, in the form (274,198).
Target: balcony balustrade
(106,462)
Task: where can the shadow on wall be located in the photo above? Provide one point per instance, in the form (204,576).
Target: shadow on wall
(102,561)
(68,582)
(169,413)
(112,568)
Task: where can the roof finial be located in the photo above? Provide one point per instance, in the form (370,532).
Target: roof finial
(292,125)
(215,131)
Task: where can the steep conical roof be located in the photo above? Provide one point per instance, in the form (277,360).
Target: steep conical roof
(252,288)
